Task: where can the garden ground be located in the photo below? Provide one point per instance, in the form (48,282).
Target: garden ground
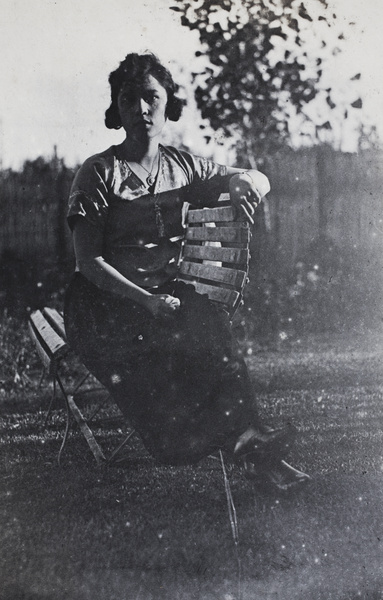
(140,531)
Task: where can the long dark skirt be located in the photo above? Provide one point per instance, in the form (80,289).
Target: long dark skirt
(182,383)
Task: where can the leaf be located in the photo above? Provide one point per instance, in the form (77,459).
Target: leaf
(357,104)
(278,31)
(303,13)
(356,77)
(293,24)
(176,8)
(326,125)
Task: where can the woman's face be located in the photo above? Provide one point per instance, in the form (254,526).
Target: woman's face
(142,108)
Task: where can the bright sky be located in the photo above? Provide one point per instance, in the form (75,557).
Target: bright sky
(55,58)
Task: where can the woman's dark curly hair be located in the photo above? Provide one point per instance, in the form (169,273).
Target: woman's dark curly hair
(134,69)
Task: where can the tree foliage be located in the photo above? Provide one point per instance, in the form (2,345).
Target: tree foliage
(261,65)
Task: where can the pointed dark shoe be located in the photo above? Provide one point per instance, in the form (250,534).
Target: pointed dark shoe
(265,444)
(280,476)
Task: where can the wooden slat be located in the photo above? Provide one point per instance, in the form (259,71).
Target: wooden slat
(224,275)
(227,255)
(216,294)
(47,360)
(209,215)
(55,320)
(85,430)
(52,343)
(224,197)
(235,235)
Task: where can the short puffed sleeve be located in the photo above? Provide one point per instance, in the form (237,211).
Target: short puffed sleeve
(89,193)
(205,169)
(207,180)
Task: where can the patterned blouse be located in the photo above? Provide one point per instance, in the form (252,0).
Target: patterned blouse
(142,227)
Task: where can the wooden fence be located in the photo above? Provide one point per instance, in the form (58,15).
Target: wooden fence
(316,193)
(323,194)
(33,215)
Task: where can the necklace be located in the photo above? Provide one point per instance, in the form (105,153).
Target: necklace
(150,178)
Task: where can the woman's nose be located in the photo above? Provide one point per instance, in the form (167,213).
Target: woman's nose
(144,106)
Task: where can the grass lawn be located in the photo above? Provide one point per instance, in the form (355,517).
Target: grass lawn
(140,531)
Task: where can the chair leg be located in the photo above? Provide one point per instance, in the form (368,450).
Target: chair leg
(86,431)
(73,410)
(233,523)
(80,383)
(121,446)
(66,432)
(41,378)
(53,398)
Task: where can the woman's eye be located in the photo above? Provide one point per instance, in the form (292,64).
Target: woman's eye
(151,97)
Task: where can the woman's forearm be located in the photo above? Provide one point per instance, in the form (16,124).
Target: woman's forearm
(103,275)
(106,277)
(88,243)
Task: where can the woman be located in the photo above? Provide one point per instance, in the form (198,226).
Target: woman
(165,352)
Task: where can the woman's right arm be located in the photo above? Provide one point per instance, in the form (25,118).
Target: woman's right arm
(88,242)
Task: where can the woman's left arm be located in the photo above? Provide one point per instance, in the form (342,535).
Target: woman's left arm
(247,188)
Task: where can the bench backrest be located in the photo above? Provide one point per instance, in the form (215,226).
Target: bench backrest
(215,254)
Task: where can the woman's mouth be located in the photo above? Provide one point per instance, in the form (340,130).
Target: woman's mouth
(145,122)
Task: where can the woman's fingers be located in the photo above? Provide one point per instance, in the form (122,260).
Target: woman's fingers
(167,305)
(247,215)
(162,305)
(173,303)
(255,197)
(245,193)
(246,202)
(248,206)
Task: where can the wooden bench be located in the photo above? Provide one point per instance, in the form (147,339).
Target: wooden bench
(215,258)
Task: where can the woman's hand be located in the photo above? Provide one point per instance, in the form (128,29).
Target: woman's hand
(162,305)
(246,192)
